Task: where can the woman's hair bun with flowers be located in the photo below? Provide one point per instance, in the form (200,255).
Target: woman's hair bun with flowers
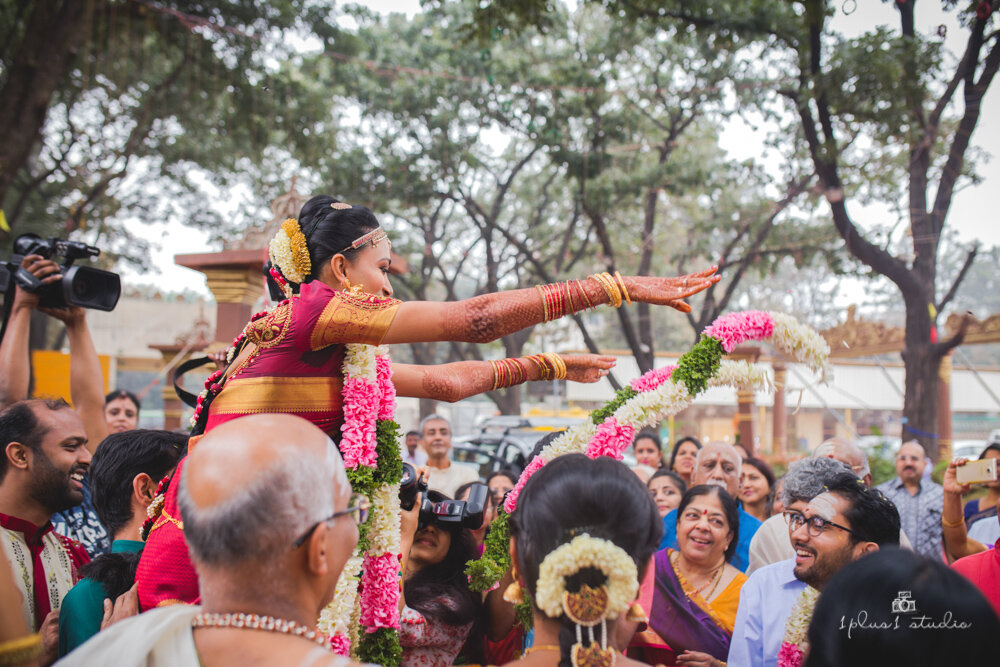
(325,227)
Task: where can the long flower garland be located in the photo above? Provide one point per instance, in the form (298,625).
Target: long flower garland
(365,625)
(651,398)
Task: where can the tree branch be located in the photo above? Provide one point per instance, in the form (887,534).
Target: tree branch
(969,259)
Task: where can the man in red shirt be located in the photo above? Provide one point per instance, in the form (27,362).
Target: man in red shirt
(41,471)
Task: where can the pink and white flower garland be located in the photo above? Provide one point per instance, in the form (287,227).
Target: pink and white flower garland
(657,398)
(369,396)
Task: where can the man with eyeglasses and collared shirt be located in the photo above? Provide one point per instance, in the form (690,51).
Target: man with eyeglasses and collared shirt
(841,524)
(918,500)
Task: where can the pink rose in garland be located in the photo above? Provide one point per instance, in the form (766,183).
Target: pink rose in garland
(341,645)
(380,592)
(510,502)
(387,390)
(361,403)
(611,439)
(737,328)
(651,380)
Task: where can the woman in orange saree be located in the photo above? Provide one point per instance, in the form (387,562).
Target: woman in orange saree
(333,267)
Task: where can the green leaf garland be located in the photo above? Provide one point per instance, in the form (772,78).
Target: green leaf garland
(495,561)
(622,396)
(381,647)
(698,365)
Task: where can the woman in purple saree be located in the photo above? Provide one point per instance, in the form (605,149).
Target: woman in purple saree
(691,595)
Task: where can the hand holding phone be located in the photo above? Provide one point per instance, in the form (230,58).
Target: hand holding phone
(982,471)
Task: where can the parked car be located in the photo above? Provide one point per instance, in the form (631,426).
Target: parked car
(970,449)
(506,442)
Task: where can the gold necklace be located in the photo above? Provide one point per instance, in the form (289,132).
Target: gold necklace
(715,576)
(256,622)
(543,647)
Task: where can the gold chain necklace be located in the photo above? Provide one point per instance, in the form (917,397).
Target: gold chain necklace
(257,622)
(715,576)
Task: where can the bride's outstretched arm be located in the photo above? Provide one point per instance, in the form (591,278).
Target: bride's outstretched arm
(462,379)
(488,317)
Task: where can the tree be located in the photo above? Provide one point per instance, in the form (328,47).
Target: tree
(880,117)
(125,109)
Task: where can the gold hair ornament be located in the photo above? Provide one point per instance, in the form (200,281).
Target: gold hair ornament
(374,237)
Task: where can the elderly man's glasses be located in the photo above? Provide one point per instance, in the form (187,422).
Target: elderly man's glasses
(359,504)
(815,524)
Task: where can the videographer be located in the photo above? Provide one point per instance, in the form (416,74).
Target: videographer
(438,610)
(85,381)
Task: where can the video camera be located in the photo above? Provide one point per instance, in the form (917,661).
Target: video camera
(82,286)
(436,508)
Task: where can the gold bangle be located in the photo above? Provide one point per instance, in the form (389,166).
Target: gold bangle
(621,285)
(608,285)
(579,286)
(569,296)
(558,365)
(949,524)
(545,303)
(20,650)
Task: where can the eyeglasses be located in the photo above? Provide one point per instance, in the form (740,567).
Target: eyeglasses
(359,504)
(815,524)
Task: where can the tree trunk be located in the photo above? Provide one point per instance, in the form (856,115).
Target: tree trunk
(922,360)
(508,401)
(36,71)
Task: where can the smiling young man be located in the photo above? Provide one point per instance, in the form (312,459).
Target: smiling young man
(41,472)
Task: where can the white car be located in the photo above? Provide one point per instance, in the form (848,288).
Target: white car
(969,449)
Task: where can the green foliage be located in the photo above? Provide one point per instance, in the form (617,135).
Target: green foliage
(621,397)
(697,366)
(362,480)
(390,464)
(882,469)
(523,611)
(490,568)
(380,648)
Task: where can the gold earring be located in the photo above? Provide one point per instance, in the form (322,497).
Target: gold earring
(514,593)
(636,614)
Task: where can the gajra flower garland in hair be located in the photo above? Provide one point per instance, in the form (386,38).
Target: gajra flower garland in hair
(653,397)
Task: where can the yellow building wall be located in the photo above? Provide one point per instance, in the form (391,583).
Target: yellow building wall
(52,373)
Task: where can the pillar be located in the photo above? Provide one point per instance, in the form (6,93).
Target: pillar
(780,419)
(944,409)
(744,416)
(236,280)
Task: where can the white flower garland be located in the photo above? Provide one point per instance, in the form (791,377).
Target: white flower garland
(336,617)
(384,532)
(586,551)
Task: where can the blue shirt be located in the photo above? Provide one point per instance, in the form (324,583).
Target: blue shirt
(741,559)
(80,523)
(766,600)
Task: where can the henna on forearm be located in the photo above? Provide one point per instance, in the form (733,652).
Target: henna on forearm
(485,318)
(455,381)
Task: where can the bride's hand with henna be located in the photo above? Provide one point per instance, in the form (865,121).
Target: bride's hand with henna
(587,367)
(670,291)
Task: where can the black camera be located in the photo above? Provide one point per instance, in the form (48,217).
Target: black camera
(409,487)
(449,514)
(82,286)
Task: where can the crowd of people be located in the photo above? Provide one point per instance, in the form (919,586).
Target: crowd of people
(224,546)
